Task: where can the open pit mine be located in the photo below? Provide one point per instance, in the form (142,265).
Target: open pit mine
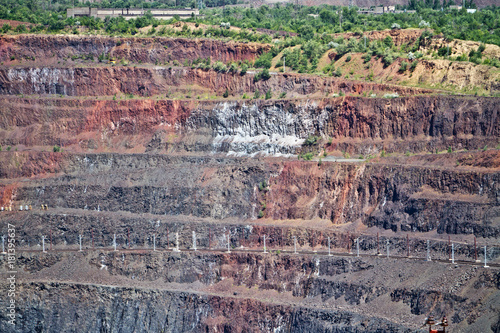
(135,197)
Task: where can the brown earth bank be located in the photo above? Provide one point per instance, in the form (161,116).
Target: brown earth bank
(453,76)
(14,24)
(399,36)
(150,81)
(457,200)
(50,49)
(355,125)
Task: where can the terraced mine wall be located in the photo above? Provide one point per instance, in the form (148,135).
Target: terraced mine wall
(150,151)
(401,198)
(175,311)
(354,124)
(148,81)
(51,49)
(318,287)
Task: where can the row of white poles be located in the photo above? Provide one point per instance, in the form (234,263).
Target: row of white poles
(176,249)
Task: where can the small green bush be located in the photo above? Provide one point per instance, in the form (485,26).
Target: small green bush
(367,57)
(269,95)
(56,149)
(413,65)
(256,95)
(262,75)
(244,69)
(225,94)
(308,156)
(403,67)
(311,140)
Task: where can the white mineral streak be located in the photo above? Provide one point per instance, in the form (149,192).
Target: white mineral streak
(44,80)
(250,129)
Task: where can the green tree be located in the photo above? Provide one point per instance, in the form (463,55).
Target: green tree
(269,95)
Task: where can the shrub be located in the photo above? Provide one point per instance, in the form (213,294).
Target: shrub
(348,58)
(262,75)
(244,69)
(283,95)
(444,51)
(269,95)
(233,67)
(388,41)
(261,214)
(263,185)
(308,156)
(219,67)
(56,149)
(225,94)
(388,59)
(403,66)
(450,150)
(264,61)
(6,27)
(367,57)
(311,140)
(256,95)
(413,65)
(370,76)
(21,28)
(481,48)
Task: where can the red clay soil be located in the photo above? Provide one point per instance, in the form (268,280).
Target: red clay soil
(13,23)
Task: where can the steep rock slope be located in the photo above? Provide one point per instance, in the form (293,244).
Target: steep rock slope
(355,124)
